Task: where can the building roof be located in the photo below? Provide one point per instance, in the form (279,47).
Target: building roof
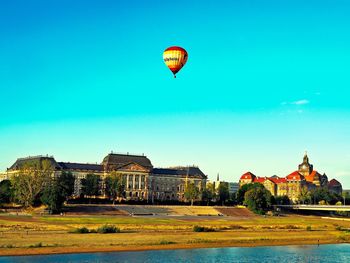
(310,178)
(121,159)
(81,166)
(295,176)
(333,183)
(278,180)
(181,170)
(248,175)
(33,160)
(259,180)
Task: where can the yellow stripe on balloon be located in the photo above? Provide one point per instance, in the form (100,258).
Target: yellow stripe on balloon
(175,59)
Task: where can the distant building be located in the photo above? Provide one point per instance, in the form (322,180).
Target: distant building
(170,183)
(292,184)
(142,181)
(233,187)
(3,176)
(335,186)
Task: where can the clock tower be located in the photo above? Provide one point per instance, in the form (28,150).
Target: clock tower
(305,168)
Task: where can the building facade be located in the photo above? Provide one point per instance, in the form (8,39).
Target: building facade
(233,187)
(293,184)
(142,181)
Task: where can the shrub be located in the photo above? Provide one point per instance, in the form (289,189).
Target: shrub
(108,229)
(236,227)
(340,228)
(36,245)
(81,230)
(323,202)
(203,229)
(308,228)
(166,242)
(291,227)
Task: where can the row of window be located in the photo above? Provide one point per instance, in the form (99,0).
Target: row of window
(136,194)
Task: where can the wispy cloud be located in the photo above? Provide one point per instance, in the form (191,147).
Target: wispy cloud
(300,102)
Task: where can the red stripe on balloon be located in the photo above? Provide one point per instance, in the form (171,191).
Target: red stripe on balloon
(176,48)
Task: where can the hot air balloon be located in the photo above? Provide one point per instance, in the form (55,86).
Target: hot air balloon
(175,58)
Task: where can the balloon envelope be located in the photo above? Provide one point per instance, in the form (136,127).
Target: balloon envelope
(175,58)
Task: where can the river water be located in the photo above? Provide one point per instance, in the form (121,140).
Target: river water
(280,254)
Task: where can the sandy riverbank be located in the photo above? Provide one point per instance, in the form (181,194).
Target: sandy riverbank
(70,250)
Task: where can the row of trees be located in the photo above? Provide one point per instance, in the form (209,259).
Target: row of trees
(255,196)
(115,189)
(35,184)
(258,199)
(114,186)
(209,194)
(319,195)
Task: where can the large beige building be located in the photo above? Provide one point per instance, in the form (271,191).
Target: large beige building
(142,180)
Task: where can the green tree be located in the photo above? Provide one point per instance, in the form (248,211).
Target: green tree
(111,183)
(305,195)
(115,186)
(323,194)
(232,199)
(206,195)
(223,192)
(282,200)
(5,191)
(243,189)
(90,185)
(191,192)
(57,190)
(121,188)
(30,180)
(66,184)
(258,200)
(51,196)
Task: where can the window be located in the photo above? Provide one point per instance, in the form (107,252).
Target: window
(136,182)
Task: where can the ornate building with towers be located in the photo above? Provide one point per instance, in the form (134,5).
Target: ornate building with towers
(292,184)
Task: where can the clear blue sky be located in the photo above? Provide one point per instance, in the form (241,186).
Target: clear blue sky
(265,81)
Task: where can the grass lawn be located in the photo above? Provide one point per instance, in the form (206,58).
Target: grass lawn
(50,234)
